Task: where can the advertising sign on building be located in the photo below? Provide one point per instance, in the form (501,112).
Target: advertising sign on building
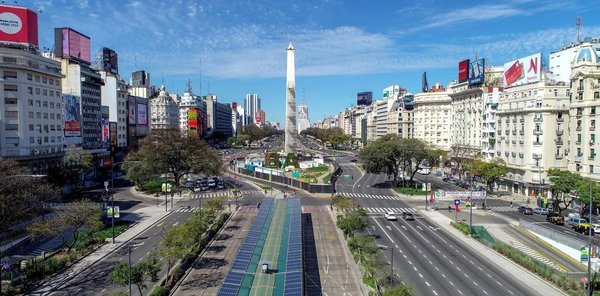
(463,71)
(523,70)
(193,119)
(110,62)
(18,25)
(131,111)
(142,114)
(72,44)
(105,132)
(364,98)
(138,78)
(113,134)
(72,116)
(476,72)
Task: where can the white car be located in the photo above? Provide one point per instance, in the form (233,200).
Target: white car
(390,216)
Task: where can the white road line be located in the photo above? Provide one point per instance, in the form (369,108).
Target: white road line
(434,292)
(421,275)
(459,291)
(442,274)
(427,283)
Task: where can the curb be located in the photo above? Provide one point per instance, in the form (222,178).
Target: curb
(97,261)
(549,246)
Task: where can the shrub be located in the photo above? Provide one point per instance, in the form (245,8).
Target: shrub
(369,281)
(159,291)
(462,227)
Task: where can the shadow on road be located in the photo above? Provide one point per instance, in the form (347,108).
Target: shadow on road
(312,281)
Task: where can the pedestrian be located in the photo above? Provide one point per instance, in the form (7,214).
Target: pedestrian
(258,206)
(511,204)
(449,209)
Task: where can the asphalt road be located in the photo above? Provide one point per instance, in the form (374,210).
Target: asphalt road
(431,261)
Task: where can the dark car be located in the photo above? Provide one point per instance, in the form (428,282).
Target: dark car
(408,216)
(528,211)
(521,209)
(353,160)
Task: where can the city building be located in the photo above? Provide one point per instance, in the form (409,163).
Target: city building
(218,115)
(491,98)
(140,85)
(585,104)
(164,111)
(432,117)
(114,95)
(561,60)
(137,121)
(260,118)
(236,118)
(192,113)
(303,120)
(32,108)
(251,105)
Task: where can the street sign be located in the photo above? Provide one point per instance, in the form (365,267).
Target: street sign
(449,195)
(5,265)
(457,202)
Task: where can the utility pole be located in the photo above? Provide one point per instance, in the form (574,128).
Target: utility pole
(589,265)
(471,200)
(129,259)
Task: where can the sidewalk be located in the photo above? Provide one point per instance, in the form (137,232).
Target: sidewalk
(143,218)
(540,286)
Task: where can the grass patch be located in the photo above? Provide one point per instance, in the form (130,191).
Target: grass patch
(462,227)
(263,187)
(318,169)
(410,191)
(368,280)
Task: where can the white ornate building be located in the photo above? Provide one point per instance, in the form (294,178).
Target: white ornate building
(164,111)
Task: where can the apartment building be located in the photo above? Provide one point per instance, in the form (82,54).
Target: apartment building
(31,110)
(491,97)
(400,119)
(432,118)
(467,111)
(164,111)
(114,95)
(531,122)
(585,104)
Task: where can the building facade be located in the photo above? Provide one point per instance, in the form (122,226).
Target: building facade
(433,119)
(251,106)
(303,121)
(164,111)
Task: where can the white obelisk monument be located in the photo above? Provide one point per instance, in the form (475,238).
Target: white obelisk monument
(290,103)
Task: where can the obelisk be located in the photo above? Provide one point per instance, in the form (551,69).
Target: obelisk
(290,103)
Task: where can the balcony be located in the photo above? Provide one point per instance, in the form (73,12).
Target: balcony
(592,114)
(558,156)
(579,114)
(521,142)
(559,132)
(514,120)
(498,153)
(596,86)
(580,88)
(560,119)
(514,142)
(521,132)
(506,153)
(506,132)
(578,158)
(558,141)
(592,128)
(514,154)
(537,143)
(537,132)
(578,128)
(591,157)
(522,120)
(537,155)
(592,142)
(578,142)
(521,154)
(514,132)
(537,119)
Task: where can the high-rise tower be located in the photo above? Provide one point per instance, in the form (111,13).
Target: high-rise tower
(290,100)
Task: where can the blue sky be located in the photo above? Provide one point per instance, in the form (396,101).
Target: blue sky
(231,48)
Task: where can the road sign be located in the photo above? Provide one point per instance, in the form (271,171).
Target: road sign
(457,202)
(5,266)
(584,280)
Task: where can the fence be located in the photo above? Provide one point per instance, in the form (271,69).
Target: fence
(552,234)
(312,188)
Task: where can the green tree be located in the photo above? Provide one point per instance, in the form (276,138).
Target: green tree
(75,216)
(353,222)
(337,137)
(399,290)
(166,151)
(383,155)
(21,195)
(254,133)
(491,171)
(291,160)
(77,161)
(563,182)
(342,204)
(176,244)
(141,272)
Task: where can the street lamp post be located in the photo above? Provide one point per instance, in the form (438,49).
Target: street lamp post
(471,200)
(426,192)
(589,265)
(112,210)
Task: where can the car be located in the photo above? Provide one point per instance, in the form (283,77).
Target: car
(583,228)
(528,211)
(353,160)
(189,185)
(521,209)
(220,185)
(541,211)
(390,216)
(408,216)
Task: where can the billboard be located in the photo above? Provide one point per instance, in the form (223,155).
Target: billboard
(523,70)
(18,25)
(110,62)
(364,98)
(476,72)
(142,114)
(72,116)
(193,119)
(138,78)
(131,111)
(113,133)
(463,70)
(234,106)
(72,44)
(105,132)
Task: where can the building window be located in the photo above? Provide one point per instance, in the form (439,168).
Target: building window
(30,102)
(37,91)
(11,87)
(44,92)
(11,114)
(45,104)
(38,103)
(592,153)
(29,77)
(10,74)
(591,169)
(51,104)
(31,127)
(10,101)
(11,127)
(30,90)
(579,138)
(31,140)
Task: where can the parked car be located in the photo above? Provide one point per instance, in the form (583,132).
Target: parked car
(221,185)
(408,216)
(521,209)
(390,216)
(189,185)
(541,211)
(583,228)
(575,221)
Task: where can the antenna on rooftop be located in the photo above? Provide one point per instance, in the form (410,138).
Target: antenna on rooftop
(578,25)
(200,76)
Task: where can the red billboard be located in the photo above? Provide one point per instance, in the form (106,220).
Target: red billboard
(234,106)
(463,71)
(18,25)
(193,119)
(71,44)
(113,133)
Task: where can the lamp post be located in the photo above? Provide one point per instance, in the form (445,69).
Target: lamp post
(589,265)
(471,201)
(426,191)
(112,210)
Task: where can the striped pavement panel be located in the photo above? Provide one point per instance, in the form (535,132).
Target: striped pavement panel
(186,210)
(312,209)
(225,193)
(506,238)
(503,209)
(375,196)
(385,210)
(50,246)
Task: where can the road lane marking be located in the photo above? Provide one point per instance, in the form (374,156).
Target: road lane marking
(443,275)
(427,283)
(175,224)
(459,291)
(484,291)
(434,292)
(420,275)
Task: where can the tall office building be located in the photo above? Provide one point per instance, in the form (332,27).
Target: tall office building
(251,106)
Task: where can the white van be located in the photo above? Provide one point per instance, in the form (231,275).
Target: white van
(576,220)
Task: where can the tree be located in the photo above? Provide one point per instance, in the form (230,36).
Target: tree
(399,290)
(491,171)
(337,137)
(141,272)
(291,160)
(22,196)
(75,216)
(383,155)
(341,203)
(166,151)
(254,133)
(352,222)
(563,182)
(77,162)
(176,244)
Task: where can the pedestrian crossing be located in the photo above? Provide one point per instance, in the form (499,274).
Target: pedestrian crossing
(503,209)
(385,210)
(362,195)
(225,193)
